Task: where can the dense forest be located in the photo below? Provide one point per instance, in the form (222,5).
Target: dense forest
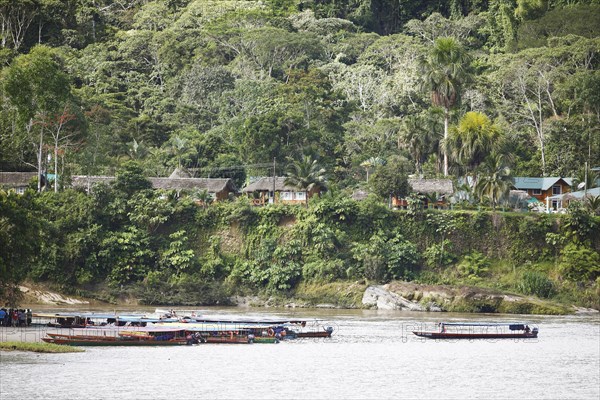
(486,89)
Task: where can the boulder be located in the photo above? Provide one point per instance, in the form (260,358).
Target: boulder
(380,298)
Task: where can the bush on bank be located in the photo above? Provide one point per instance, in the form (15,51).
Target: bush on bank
(165,250)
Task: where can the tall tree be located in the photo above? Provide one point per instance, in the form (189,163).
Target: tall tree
(446,70)
(36,86)
(496,181)
(306,174)
(472,140)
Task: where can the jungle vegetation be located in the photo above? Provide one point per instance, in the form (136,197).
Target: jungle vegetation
(368,91)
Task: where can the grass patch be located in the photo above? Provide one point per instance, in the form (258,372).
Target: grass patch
(342,294)
(38,347)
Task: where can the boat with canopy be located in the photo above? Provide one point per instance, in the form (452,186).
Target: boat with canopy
(480,330)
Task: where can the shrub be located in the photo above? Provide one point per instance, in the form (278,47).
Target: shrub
(473,266)
(579,263)
(536,283)
(323,270)
(438,255)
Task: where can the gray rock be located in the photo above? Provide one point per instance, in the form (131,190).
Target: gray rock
(382,299)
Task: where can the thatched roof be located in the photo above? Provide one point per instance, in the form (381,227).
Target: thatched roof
(16,179)
(439,186)
(180,173)
(84,181)
(212,185)
(519,194)
(265,184)
(359,195)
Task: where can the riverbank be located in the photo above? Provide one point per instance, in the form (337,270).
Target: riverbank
(36,347)
(397,295)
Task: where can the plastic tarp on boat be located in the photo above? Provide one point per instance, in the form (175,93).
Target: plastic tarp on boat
(516,327)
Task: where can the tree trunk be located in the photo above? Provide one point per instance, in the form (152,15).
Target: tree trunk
(40,159)
(446,118)
(56,165)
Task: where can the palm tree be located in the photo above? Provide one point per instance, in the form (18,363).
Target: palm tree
(496,181)
(370,163)
(592,204)
(472,140)
(179,146)
(305,174)
(445,70)
(416,138)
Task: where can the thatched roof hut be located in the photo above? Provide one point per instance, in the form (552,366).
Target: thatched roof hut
(16,179)
(265,184)
(439,186)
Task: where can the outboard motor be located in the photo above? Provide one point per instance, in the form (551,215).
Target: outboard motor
(329,330)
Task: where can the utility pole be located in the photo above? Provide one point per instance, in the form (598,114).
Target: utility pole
(585,181)
(274,165)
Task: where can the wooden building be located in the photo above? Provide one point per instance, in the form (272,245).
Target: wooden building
(264,191)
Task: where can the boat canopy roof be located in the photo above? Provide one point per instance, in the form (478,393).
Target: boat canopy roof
(217,327)
(248,320)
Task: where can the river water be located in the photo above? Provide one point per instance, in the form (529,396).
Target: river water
(372,355)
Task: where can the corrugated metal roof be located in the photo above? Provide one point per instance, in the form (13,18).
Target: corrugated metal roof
(577,195)
(523,182)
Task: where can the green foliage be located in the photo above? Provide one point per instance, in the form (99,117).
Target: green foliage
(473,266)
(323,271)
(439,255)
(384,258)
(223,89)
(536,283)
(579,263)
(178,256)
(129,254)
(20,240)
(391,179)
(131,179)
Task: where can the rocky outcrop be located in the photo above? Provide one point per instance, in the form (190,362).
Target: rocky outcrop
(381,298)
(47,297)
(418,297)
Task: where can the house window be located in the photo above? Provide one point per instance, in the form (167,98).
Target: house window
(286,195)
(556,189)
(300,196)
(537,192)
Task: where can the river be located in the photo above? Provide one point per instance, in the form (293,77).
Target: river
(372,355)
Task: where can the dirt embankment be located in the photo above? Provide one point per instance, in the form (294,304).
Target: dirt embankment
(38,295)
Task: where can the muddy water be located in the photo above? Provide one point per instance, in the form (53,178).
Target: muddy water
(372,355)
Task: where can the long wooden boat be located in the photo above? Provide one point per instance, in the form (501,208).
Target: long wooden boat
(84,337)
(325,333)
(265,339)
(117,342)
(472,330)
(106,337)
(225,339)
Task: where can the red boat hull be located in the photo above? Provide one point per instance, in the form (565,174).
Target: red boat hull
(450,335)
(323,334)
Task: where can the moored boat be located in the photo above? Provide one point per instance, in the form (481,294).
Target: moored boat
(474,330)
(99,337)
(325,333)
